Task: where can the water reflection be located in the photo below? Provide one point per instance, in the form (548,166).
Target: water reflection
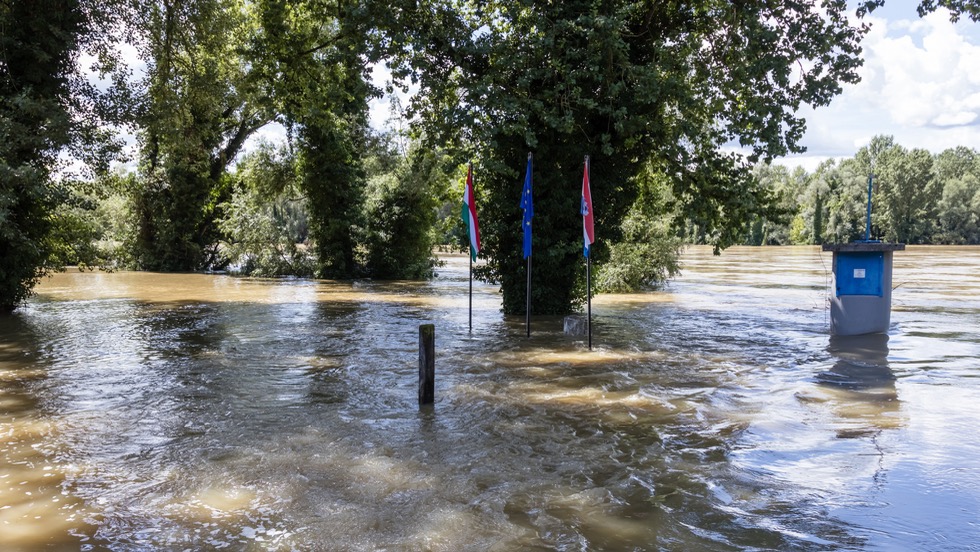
(861,365)
(861,385)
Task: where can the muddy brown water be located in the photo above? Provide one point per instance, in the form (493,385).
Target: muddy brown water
(204,412)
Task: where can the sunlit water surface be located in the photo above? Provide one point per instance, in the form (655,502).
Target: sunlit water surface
(170,412)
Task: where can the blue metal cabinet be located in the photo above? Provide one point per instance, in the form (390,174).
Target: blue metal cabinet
(860,273)
(862,300)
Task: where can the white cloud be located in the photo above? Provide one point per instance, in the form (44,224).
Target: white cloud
(927,84)
(920,83)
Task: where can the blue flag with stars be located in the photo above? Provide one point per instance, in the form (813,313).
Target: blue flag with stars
(528,205)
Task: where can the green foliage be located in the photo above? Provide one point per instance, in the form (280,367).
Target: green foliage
(627,84)
(200,105)
(87,223)
(401,216)
(646,258)
(956,163)
(648,253)
(917,198)
(311,56)
(25,226)
(907,195)
(37,44)
(333,182)
(847,214)
(959,212)
(113,217)
(818,218)
(798,231)
(813,191)
(786,190)
(266,219)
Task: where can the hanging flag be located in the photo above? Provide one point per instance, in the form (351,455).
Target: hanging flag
(469,214)
(588,229)
(528,205)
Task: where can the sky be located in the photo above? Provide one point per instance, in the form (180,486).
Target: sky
(920,83)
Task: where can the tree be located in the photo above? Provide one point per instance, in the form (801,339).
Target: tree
(959,211)
(847,214)
(628,84)
(908,195)
(813,196)
(958,173)
(868,162)
(312,56)
(956,163)
(200,104)
(869,157)
(648,254)
(401,215)
(43,109)
(786,188)
(266,218)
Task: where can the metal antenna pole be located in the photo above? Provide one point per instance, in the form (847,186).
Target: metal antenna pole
(867,228)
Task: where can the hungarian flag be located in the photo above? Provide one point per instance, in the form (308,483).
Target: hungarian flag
(588,229)
(469,214)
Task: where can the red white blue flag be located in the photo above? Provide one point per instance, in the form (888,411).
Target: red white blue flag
(469,214)
(588,229)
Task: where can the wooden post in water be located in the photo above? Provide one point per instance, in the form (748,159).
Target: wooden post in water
(427,363)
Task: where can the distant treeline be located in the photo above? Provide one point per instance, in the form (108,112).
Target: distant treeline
(918,198)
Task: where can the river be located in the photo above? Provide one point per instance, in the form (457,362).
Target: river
(144,411)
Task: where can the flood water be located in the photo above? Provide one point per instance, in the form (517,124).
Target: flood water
(204,412)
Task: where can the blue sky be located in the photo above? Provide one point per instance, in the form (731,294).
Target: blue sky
(920,83)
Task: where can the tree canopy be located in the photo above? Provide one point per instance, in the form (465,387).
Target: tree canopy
(45,107)
(665,84)
(658,94)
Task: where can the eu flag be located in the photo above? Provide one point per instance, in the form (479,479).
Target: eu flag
(528,205)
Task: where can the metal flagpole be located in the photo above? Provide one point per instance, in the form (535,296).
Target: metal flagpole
(528,308)
(471,288)
(588,294)
(527,204)
(587,212)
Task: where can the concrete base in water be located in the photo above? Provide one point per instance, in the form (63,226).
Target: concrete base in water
(576,325)
(853,309)
(860,314)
